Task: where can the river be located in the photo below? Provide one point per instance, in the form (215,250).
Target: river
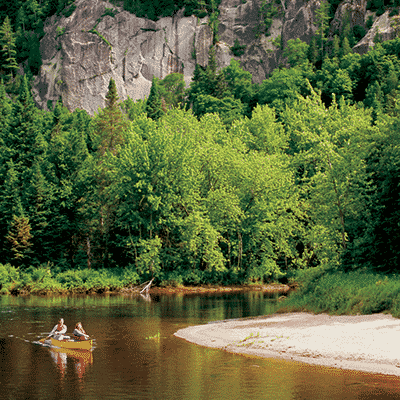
(136,355)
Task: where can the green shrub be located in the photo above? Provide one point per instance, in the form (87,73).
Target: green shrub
(370,22)
(359,32)
(101,37)
(60,31)
(110,11)
(40,280)
(67,12)
(10,278)
(71,280)
(277,42)
(47,278)
(129,276)
(193,277)
(173,278)
(237,49)
(380,11)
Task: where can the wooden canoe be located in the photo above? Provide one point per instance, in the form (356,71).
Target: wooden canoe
(67,344)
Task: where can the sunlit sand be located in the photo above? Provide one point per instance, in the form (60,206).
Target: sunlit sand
(363,342)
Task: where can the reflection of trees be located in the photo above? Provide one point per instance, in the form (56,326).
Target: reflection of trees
(81,359)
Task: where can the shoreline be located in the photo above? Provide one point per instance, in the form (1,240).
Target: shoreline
(367,343)
(270,288)
(184,290)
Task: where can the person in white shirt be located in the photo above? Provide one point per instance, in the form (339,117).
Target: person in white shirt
(59,330)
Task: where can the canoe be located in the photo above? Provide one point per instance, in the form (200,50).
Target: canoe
(79,344)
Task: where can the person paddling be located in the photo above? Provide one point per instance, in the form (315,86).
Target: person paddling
(79,332)
(59,330)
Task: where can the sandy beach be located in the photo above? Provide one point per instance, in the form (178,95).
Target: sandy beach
(367,343)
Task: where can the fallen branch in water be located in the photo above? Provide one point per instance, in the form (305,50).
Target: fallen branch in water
(147,287)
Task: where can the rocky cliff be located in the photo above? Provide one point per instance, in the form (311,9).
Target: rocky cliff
(99,41)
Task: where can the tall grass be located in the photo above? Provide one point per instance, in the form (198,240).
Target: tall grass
(337,292)
(46,278)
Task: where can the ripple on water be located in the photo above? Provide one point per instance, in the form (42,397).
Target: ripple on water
(125,365)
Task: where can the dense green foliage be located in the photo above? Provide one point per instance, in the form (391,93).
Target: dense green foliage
(47,279)
(225,181)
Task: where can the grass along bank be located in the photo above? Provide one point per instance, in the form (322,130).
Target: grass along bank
(49,279)
(337,292)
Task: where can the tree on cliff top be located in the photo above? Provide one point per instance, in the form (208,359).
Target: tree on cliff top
(111,123)
(322,22)
(154,107)
(172,90)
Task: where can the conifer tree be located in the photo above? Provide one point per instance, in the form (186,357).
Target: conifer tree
(196,85)
(346,31)
(346,49)
(313,51)
(27,147)
(10,194)
(57,123)
(24,128)
(65,191)
(215,81)
(29,15)
(322,17)
(111,124)
(9,200)
(336,46)
(8,49)
(5,116)
(19,239)
(208,82)
(154,107)
(110,130)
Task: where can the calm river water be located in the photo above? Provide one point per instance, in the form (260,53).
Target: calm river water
(128,364)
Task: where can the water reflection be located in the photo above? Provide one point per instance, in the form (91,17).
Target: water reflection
(145,296)
(60,359)
(137,356)
(80,358)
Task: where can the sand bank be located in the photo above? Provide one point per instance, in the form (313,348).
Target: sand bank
(369,343)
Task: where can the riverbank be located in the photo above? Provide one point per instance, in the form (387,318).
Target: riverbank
(366,343)
(46,280)
(205,289)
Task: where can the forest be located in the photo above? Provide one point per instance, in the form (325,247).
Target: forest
(222,182)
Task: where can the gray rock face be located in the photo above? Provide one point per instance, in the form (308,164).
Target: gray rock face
(238,20)
(353,11)
(78,64)
(242,21)
(382,27)
(82,52)
(300,20)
